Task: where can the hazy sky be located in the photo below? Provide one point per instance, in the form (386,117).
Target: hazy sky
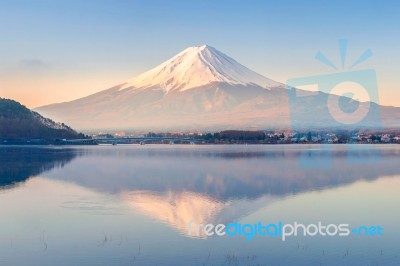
(55,51)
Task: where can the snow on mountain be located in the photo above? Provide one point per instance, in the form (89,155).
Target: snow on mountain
(202,89)
(198,66)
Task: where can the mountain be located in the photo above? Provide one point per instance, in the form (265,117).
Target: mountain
(18,123)
(201,88)
(197,67)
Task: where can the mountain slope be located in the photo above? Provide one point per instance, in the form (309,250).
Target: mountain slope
(203,89)
(19,123)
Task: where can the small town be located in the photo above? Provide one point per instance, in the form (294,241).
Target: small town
(267,137)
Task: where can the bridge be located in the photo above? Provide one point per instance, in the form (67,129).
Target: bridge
(130,140)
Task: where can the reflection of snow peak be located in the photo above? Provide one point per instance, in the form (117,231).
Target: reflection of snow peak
(179,209)
(176,209)
(195,67)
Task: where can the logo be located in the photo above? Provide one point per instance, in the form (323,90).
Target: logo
(344,100)
(281,230)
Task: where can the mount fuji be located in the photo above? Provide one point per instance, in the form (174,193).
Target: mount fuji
(196,67)
(200,88)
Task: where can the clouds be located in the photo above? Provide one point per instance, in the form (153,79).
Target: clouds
(25,66)
(33,64)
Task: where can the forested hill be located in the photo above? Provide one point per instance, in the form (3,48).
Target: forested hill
(18,123)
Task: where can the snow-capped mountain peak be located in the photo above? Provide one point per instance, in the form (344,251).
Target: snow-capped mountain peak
(202,89)
(195,67)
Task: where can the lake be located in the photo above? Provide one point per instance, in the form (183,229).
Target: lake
(132,205)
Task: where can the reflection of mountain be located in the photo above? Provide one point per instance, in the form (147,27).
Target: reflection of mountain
(229,172)
(17,164)
(221,183)
(176,209)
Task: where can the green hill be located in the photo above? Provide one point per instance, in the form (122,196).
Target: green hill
(19,124)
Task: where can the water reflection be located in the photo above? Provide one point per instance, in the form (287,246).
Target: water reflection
(218,184)
(176,209)
(18,164)
(226,172)
(116,205)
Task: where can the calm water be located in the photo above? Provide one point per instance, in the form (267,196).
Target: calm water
(131,205)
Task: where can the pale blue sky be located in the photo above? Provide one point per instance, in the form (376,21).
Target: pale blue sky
(53,51)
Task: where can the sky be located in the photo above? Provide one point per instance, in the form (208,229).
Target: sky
(56,51)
